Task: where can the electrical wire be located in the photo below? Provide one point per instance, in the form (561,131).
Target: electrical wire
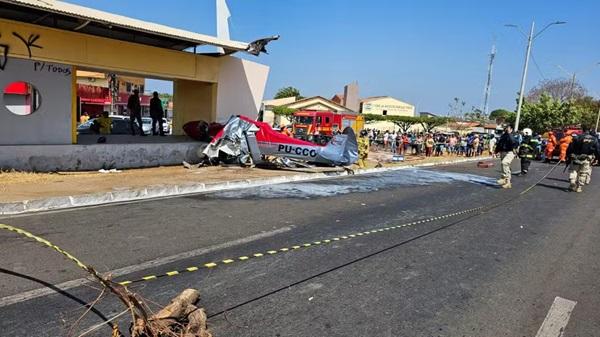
(483,211)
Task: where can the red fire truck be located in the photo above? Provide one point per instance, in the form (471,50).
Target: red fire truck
(319,126)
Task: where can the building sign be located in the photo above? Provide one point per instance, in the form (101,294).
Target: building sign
(388,107)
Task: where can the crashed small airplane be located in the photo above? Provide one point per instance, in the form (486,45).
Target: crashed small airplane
(248,142)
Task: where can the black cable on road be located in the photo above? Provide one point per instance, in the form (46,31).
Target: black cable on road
(61,292)
(342,266)
(483,211)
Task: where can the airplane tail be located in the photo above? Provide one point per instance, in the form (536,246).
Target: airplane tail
(341,149)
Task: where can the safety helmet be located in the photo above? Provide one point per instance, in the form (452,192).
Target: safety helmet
(527,132)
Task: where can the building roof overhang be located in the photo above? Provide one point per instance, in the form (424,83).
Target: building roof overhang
(66,16)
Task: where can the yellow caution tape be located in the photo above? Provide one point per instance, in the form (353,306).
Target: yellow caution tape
(45,243)
(211,265)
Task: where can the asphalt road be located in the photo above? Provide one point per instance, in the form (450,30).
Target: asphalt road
(490,273)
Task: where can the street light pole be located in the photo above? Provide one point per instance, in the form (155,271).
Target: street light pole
(524,78)
(530,40)
(597,121)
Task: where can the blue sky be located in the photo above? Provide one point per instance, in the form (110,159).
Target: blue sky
(424,52)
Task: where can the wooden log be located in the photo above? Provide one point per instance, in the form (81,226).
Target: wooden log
(196,323)
(177,308)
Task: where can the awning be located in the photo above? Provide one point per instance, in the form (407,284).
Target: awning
(124,97)
(17,88)
(91,94)
(66,16)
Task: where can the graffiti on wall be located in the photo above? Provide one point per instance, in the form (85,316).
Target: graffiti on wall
(3,55)
(51,68)
(30,42)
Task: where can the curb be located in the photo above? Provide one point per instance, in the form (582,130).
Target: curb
(164,191)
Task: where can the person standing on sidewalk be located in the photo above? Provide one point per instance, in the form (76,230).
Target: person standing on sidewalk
(429,144)
(157,114)
(506,148)
(476,144)
(363,148)
(135,112)
(492,146)
(393,143)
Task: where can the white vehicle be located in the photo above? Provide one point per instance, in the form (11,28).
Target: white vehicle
(147,125)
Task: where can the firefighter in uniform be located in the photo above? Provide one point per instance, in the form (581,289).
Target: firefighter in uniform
(527,150)
(580,155)
(506,147)
(563,144)
(550,146)
(363,148)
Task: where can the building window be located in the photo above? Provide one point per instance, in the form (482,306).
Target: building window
(385,112)
(128,85)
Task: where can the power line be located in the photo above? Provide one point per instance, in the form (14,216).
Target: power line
(537,66)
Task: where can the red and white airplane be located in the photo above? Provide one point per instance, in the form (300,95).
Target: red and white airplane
(244,140)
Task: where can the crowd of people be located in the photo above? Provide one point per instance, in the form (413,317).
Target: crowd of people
(432,144)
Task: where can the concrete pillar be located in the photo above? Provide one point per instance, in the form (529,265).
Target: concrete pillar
(192,101)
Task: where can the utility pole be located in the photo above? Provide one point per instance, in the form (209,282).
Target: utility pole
(574,74)
(597,121)
(530,39)
(573,79)
(524,77)
(488,86)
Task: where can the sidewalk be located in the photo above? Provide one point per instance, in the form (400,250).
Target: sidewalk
(31,192)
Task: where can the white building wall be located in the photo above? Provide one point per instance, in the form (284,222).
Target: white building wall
(241,88)
(51,123)
(391,106)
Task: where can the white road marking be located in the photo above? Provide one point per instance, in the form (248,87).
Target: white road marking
(556,321)
(28,295)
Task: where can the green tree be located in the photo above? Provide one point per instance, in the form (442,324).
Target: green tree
(430,123)
(549,113)
(405,123)
(589,108)
(283,111)
(500,114)
(288,92)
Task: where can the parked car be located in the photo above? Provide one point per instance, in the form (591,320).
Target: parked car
(120,126)
(147,125)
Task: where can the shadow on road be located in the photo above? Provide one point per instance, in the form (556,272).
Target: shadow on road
(59,291)
(564,189)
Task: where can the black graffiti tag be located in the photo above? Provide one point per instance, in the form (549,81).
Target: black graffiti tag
(3,56)
(30,42)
